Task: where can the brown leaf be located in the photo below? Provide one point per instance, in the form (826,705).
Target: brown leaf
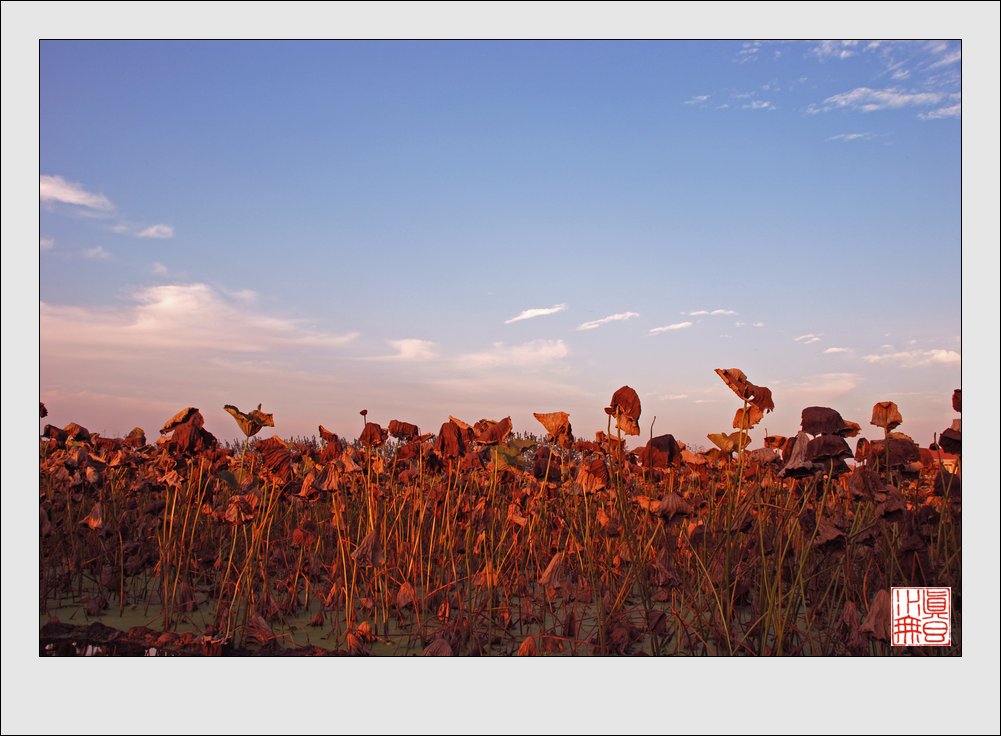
(593,476)
(438,648)
(528,648)
(827,447)
(557,424)
(957,400)
(136,438)
(551,576)
(760,397)
(877,623)
(327,436)
(729,443)
(241,509)
(489,432)
(373,435)
(747,418)
(42,411)
(75,432)
(821,420)
(406,596)
(94,519)
(450,442)
(184,416)
(328,479)
(277,457)
(403,430)
(252,423)
(886,415)
(660,452)
(369,551)
(735,379)
(625,407)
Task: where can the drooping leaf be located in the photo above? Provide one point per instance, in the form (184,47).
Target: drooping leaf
(277,457)
(760,397)
(190,415)
(373,435)
(250,423)
(625,407)
(557,424)
(747,418)
(327,436)
(886,415)
(489,432)
(821,420)
(403,430)
(593,476)
(735,379)
(877,622)
(957,400)
(451,442)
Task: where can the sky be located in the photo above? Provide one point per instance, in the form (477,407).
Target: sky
(489,228)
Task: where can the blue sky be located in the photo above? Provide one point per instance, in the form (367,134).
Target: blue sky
(330,226)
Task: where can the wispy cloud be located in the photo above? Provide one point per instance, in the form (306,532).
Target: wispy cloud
(699,100)
(831,351)
(807,339)
(97,253)
(526,355)
(57,189)
(748,52)
(947,58)
(671,328)
(759,324)
(46,243)
(605,320)
(411,350)
(849,137)
(538,312)
(825,50)
(759,105)
(674,397)
(713,313)
(915,358)
(952,111)
(156,231)
(159,269)
(866,99)
(184,317)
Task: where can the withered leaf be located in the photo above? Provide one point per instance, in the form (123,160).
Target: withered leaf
(403,430)
(277,457)
(660,452)
(557,424)
(827,447)
(877,622)
(327,436)
(438,648)
(593,476)
(450,442)
(760,397)
(406,596)
(729,443)
(957,400)
(252,423)
(821,420)
(489,432)
(886,415)
(369,551)
(747,418)
(373,435)
(529,647)
(95,519)
(735,379)
(184,416)
(625,407)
